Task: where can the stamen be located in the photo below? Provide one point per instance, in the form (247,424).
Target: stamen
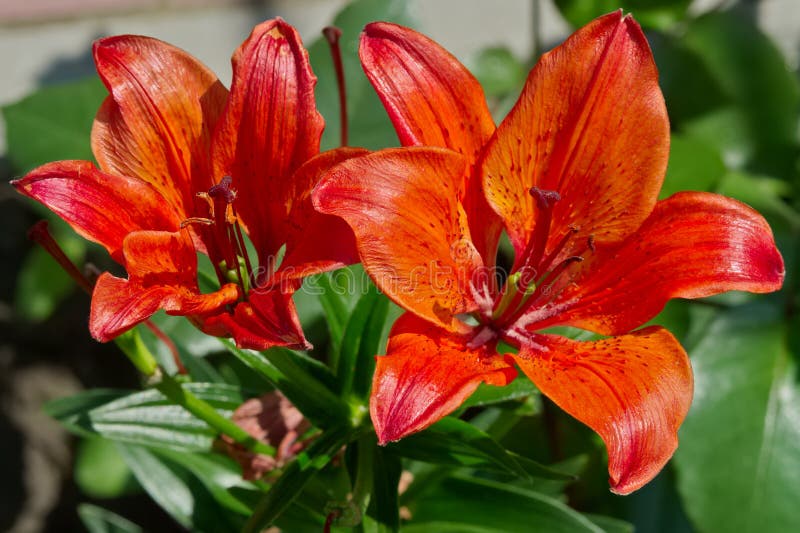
(332,35)
(196,220)
(222,196)
(543,286)
(559,247)
(40,234)
(545,200)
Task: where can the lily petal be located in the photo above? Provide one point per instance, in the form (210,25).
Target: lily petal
(268,318)
(157,123)
(425,375)
(413,240)
(695,244)
(433,100)
(162,274)
(269,128)
(633,390)
(590,125)
(316,242)
(100,207)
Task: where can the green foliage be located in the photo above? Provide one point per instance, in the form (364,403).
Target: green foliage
(53,123)
(98,520)
(649,13)
(739,457)
(502,463)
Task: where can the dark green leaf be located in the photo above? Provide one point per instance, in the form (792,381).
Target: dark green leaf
(73,411)
(690,89)
(649,13)
(457,443)
(609,524)
(146,417)
(361,343)
(498,507)
(369,124)
(384,504)
(296,476)
(286,371)
(178,491)
(739,455)
(98,520)
(336,312)
(521,387)
(219,475)
(52,124)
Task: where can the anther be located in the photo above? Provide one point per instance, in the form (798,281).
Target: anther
(545,199)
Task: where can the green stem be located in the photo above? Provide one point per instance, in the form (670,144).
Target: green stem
(132,345)
(173,390)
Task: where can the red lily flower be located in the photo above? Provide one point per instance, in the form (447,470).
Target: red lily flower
(573,175)
(185,166)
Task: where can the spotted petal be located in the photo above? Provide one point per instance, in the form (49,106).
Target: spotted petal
(268,318)
(269,128)
(433,100)
(694,244)
(162,274)
(633,390)
(316,242)
(157,122)
(591,126)
(100,207)
(411,231)
(425,375)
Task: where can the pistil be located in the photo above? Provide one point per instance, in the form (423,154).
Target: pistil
(332,35)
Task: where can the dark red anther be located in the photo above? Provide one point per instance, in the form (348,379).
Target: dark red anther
(590,243)
(223,191)
(40,234)
(545,199)
(332,35)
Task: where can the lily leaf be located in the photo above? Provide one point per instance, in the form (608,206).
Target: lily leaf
(362,340)
(650,13)
(521,387)
(100,471)
(98,520)
(288,372)
(145,417)
(755,78)
(739,458)
(295,477)
(53,123)
(457,443)
(495,507)
(178,491)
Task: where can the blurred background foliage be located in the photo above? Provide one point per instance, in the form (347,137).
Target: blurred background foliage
(733,104)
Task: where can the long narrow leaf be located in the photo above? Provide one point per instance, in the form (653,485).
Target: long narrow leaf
(280,368)
(295,477)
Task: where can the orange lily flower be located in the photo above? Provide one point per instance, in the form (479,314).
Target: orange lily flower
(572,174)
(188,167)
